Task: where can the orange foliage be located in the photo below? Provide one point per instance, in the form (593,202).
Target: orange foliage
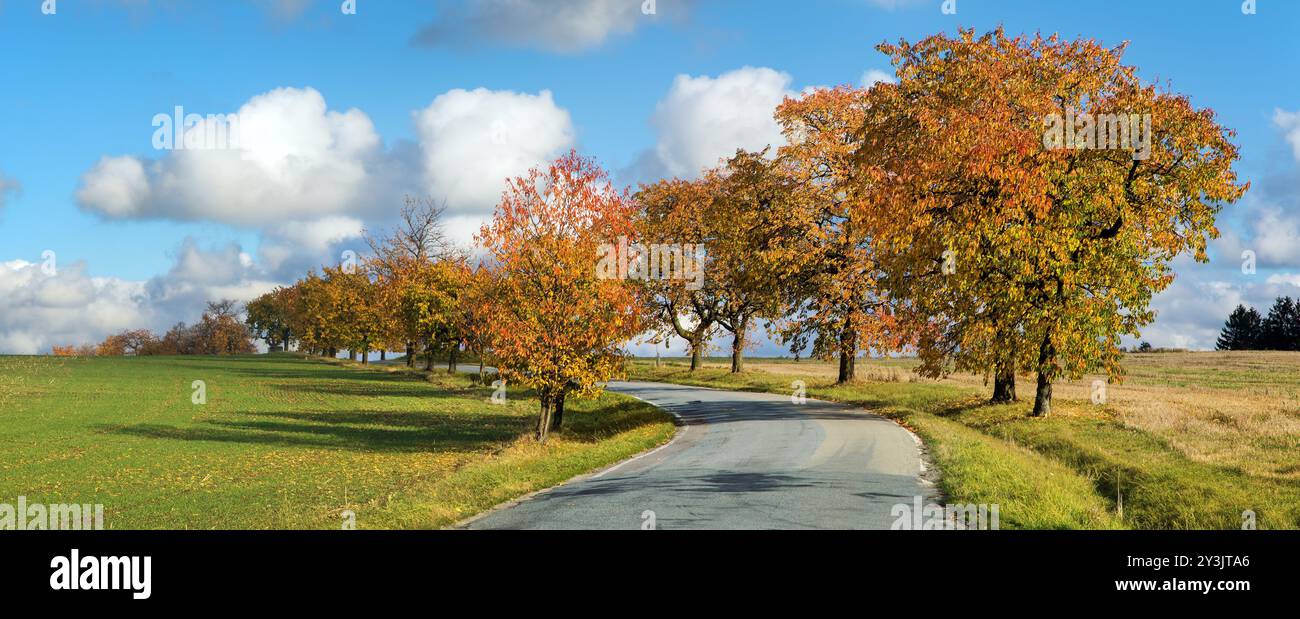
(1010,249)
(559,326)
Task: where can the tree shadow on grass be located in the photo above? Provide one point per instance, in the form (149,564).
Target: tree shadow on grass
(980,412)
(306,376)
(591,424)
(320,371)
(275,366)
(374,388)
(369,431)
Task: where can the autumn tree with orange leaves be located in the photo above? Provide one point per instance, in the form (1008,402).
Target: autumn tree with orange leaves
(833,298)
(1016,250)
(560,323)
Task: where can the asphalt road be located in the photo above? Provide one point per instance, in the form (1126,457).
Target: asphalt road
(740,461)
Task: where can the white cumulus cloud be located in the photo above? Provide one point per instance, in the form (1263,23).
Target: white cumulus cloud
(294,158)
(309,177)
(705,119)
(1277,236)
(200,275)
(471,141)
(291,249)
(40,308)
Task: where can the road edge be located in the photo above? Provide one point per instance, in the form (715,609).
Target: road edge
(680,430)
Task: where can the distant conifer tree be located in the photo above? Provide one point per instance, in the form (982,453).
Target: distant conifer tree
(1242,331)
(1278,331)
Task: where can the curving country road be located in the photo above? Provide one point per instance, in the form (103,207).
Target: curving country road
(740,461)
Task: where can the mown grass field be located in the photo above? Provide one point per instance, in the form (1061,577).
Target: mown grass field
(1188,441)
(287,443)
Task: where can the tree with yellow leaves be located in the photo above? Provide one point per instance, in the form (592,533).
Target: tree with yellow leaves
(402,262)
(752,225)
(269,317)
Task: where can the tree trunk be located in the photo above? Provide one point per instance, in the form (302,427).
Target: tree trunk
(1043,398)
(1004,384)
(481,379)
(848,355)
(451,358)
(410,355)
(738,349)
(544,420)
(365,354)
(428,366)
(557,414)
(383,354)
(696,353)
(848,367)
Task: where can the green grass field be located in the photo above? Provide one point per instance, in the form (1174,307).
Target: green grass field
(1188,441)
(287,443)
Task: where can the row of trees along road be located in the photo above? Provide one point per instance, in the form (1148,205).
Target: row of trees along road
(535,306)
(414,292)
(926,216)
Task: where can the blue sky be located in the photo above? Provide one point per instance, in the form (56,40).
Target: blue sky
(84,84)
